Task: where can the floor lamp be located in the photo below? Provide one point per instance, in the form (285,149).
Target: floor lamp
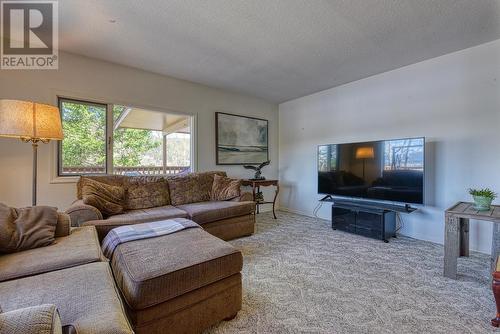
(30,122)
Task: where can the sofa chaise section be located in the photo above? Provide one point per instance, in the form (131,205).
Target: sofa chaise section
(68,280)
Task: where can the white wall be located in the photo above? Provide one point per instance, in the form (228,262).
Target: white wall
(453,100)
(85,77)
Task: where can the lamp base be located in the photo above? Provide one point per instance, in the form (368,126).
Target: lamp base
(34,145)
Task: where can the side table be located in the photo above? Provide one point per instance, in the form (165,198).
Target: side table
(456,234)
(256,184)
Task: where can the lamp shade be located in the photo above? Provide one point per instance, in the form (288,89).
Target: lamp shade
(365,153)
(30,120)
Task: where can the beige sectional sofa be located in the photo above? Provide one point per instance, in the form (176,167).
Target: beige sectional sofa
(70,287)
(71,276)
(188,196)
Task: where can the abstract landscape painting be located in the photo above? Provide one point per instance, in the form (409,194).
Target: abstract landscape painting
(241,140)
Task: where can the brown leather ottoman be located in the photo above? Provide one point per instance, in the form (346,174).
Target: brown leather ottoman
(178,283)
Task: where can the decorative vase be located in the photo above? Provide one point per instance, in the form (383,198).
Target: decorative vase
(482,203)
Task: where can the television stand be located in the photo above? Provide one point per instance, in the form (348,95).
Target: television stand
(372,220)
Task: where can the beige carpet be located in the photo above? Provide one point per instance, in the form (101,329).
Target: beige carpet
(300,276)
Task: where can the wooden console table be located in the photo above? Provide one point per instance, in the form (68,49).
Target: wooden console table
(256,184)
(456,234)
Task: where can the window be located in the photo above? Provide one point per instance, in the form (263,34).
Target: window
(83,149)
(179,148)
(140,142)
(134,146)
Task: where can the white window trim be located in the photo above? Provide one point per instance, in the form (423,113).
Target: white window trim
(54,150)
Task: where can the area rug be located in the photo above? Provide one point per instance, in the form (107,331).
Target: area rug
(300,276)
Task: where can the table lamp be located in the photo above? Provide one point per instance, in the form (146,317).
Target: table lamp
(365,153)
(30,122)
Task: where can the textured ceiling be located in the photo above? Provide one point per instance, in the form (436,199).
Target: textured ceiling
(274,49)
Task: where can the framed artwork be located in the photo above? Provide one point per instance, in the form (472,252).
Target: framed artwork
(240,140)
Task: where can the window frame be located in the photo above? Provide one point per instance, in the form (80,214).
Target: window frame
(59,177)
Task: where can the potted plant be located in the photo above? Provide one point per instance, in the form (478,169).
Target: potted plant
(482,198)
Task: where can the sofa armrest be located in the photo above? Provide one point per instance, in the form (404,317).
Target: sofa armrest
(34,319)
(244,197)
(103,227)
(80,213)
(63,225)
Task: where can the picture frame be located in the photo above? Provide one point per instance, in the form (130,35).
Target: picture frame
(241,140)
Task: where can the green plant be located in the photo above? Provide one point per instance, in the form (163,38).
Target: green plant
(486,192)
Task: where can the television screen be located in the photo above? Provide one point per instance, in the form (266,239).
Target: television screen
(389,170)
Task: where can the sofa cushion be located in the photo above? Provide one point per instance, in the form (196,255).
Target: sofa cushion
(80,247)
(225,188)
(85,296)
(146,192)
(26,228)
(191,188)
(108,199)
(206,212)
(151,271)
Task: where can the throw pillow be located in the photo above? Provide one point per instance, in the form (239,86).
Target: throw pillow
(184,189)
(106,198)
(224,188)
(26,228)
(143,193)
(191,188)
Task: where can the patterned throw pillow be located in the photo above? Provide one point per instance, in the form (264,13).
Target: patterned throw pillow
(110,179)
(225,189)
(191,188)
(106,198)
(143,193)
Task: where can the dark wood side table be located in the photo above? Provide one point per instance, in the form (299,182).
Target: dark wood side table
(456,234)
(256,184)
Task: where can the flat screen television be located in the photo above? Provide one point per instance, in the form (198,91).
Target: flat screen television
(385,170)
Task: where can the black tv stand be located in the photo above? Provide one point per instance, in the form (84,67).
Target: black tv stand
(370,219)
